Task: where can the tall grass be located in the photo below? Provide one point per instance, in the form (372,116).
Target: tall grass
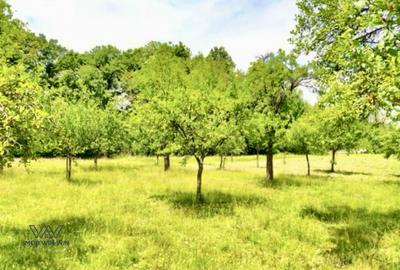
(130,214)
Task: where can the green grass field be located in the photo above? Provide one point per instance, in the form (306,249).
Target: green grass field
(130,214)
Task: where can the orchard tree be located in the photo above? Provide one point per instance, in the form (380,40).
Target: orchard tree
(204,119)
(273,82)
(151,133)
(199,112)
(372,140)
(255,133)
(234,145)
(391,141)
(21,114)
(304,137)
(157,79)
(106,132)
(70,129)
(339,129)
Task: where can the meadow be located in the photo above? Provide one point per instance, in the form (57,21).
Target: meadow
(130,214)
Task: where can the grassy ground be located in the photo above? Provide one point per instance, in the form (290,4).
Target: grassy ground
(132,215)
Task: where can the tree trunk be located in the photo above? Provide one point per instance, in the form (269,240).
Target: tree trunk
(221,162)
(68,167)
(2,165)
(270,167)
(157,160)
(95,163)
(333,161)
(199,175)
(166,162)
(231,157)
(284,157)
(258,159)
(308,165)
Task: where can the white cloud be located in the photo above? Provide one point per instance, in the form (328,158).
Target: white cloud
(246,28)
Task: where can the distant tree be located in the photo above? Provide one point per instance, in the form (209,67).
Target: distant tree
(91,83)
(255,133)
(221,55)
(180,50)
(151,132)
(339,129)
(156,80)
(303,137)
(234,145)
(390,137)
(272,83)
(71,129)
(48,51)
(69,60)
(107,133)
(106,59)
(371,140)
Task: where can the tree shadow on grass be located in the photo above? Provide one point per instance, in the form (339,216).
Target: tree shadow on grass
(356,232)
(283,181)
(106,167)
(391,182)
(213,203)
(16,253)
(342,172)
(85,182)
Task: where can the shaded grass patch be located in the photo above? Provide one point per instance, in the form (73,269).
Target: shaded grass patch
(212,203)
(356,233)
(342,172)
(15,253)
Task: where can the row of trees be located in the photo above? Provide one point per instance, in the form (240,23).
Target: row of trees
(161,100)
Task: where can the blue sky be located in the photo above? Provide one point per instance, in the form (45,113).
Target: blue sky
(246,29)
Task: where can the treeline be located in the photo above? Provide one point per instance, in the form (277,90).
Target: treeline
(161,99)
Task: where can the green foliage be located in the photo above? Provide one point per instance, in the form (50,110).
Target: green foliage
(371,140)
(221,55)
(356,49)
(20,113)
(273,100)
(254,129)
(391,141)
(82,128)
(157,81)
(106,131)
(304,136)
(273,94)
(68,127)
(339,130)
(203,120)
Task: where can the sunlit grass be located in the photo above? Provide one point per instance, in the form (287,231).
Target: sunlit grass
(130,214)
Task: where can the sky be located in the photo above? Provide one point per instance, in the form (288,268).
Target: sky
(246,29)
